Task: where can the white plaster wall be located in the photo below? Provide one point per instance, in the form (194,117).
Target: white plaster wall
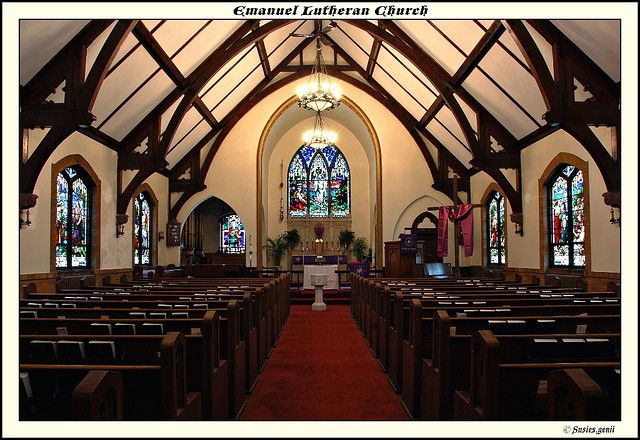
(524,252)
(35,240)
(232,176)
(115,253)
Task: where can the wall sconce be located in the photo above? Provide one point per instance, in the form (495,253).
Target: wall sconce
(24,218)
(121,220)
(517,220)
(27,200)
(613,220)
(160,235)
(518,229)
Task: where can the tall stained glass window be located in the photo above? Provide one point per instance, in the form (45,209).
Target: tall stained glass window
(319,183)
(143,211)
(495,228)
(73,224)
(566,218)
(232,237)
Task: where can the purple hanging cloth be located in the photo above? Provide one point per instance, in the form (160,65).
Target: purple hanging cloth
(465,217)
(443,243)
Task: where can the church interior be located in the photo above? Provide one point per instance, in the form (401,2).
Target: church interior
(320,219)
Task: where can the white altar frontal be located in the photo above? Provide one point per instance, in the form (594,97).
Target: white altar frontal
(327,269)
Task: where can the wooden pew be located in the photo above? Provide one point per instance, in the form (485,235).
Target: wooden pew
(400,310)
(109,308)
(223,352)
(448,368)
(155,391)
(503,387)
(574,395)
(98,396)
(530,320)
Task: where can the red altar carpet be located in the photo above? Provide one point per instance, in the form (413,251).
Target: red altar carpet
(322,369)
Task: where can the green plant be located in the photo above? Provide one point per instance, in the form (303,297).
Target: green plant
(345,239)
(279,246)
(276,248)
(360,248)
(292,237)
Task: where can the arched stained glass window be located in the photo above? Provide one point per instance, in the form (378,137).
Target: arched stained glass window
(566,218)
(143,209)
(495,228)
(319,183)
(73,224)
(232,234)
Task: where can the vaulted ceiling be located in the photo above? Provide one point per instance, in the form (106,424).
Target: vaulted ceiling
(165,93)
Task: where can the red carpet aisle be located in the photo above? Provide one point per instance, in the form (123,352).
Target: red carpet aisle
(322,369)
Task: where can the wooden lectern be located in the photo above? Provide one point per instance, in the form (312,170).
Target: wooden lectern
(398,264)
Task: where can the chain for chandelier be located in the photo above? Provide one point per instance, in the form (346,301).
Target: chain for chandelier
(318,93)
(319,137)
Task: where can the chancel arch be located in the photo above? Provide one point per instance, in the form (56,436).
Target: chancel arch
(357,142)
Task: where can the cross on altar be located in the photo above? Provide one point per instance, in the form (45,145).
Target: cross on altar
(456,229)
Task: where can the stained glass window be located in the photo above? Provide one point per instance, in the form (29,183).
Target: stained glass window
(495,228)
(566,218)
(73,224)
(142,242)
(232,234)
(319,183)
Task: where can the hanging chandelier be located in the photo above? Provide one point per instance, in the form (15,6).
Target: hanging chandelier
(319,137)
(318,93)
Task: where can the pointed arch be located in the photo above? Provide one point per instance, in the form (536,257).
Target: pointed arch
(151,198)
(546,227)
(488,195)
(378,164)
(91,215)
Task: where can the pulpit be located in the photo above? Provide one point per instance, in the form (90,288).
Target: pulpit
(398,264)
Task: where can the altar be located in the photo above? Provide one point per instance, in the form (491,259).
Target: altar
(327,269)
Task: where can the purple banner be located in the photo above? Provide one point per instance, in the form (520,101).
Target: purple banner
(408,244)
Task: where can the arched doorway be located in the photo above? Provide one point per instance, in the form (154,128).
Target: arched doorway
(428,234)
(213,233)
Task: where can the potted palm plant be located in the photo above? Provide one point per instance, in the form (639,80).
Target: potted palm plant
(360,251)
(279,246)
(345,240)
(276,248)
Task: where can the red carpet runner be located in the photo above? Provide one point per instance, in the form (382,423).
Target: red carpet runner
(322,369)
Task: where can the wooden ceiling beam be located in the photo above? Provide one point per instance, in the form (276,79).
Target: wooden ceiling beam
(592,74)
(558,92)
(101,137)
(157,52)
(264,59)
(80,94)
(373,57)
(536,63)
(443,82)
(488,40)
(129,142)
(43,83)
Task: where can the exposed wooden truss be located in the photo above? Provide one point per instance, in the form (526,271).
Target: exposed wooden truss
(558,92)
(557,89)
